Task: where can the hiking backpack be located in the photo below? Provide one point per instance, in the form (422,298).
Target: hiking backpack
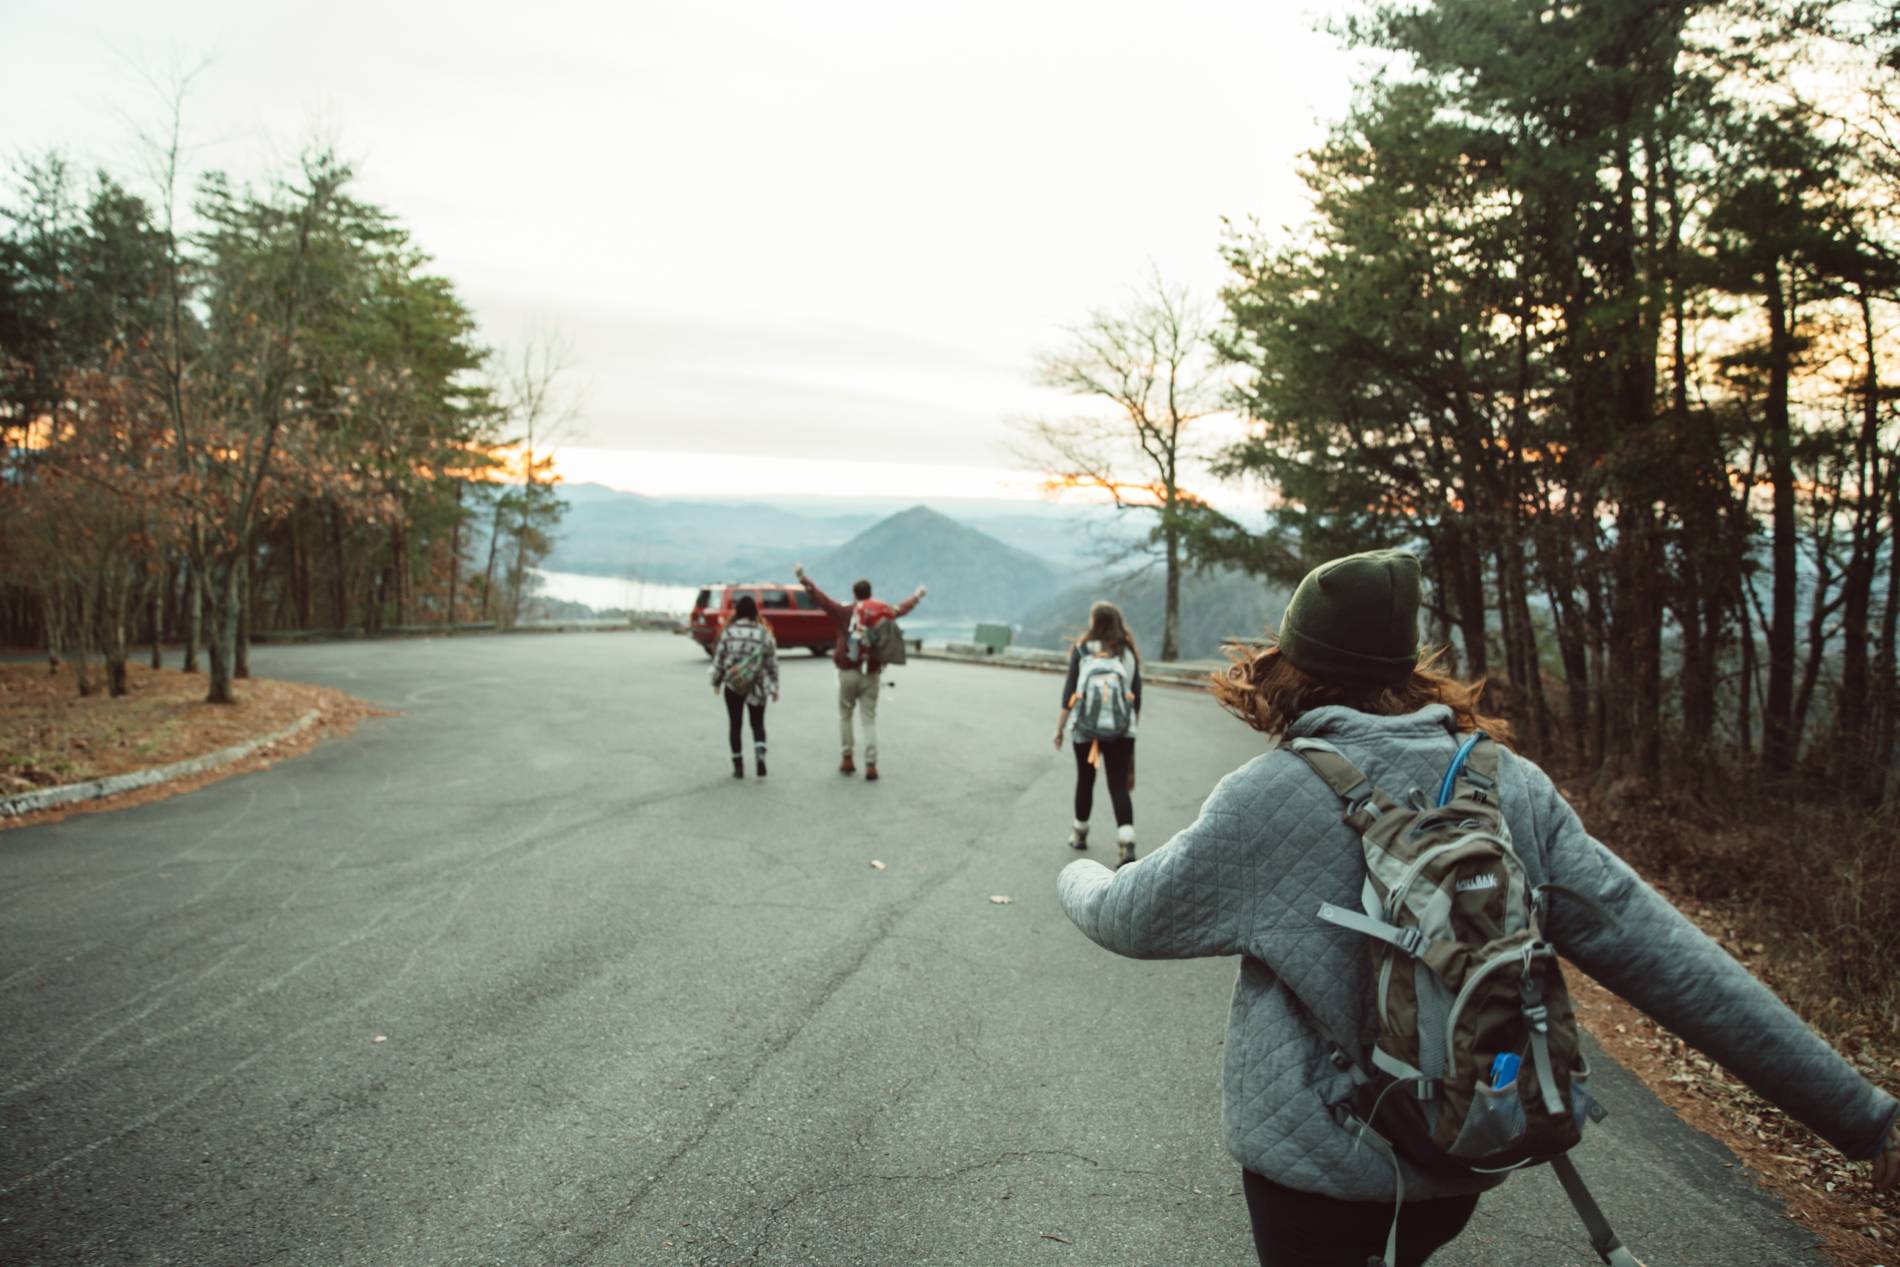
(743,673)
(886,641)
(874,632)
(1103,710)
(1477,1064)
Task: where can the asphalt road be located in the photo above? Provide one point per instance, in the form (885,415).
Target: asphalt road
(523,976)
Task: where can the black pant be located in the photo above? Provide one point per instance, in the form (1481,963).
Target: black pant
(1119,756)
(1302,1229)
(733,705)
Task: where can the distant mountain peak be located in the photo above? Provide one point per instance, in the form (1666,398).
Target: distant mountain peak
(969,572)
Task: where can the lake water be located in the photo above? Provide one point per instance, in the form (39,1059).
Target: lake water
(605,593)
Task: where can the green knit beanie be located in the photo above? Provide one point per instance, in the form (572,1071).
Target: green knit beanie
(1355,620)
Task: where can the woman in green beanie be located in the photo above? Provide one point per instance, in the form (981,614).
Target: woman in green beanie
(1272,866)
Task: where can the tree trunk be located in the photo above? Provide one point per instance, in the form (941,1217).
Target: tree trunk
(246,599)
(518,574)
(1852,773)
(53,616)
(1745,698)
(1779,740)
(222,646)
(339,573)
(488,577)
(302,585)
(1885,722)
(117,612)
(161,586)
(84,635)
(398,563)
(1597,622)
(1171,616)
(455,551)
(1467,578)
(1528,673)
(1560,587)
(194,603)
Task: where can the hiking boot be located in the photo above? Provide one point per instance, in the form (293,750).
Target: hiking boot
(870,772)
(761,767)
(738,767)
(1125,837)
(847,766)
(1079,836)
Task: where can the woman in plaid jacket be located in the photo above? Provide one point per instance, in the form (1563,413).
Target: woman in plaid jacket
(745,671)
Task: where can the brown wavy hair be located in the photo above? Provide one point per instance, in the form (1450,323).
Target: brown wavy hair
(1107,627)
(1264,689)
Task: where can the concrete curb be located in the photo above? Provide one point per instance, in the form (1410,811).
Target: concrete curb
(92,789)
(393,633)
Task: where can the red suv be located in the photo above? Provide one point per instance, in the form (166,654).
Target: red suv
(795,618)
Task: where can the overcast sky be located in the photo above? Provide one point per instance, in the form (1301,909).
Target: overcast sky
(770,229)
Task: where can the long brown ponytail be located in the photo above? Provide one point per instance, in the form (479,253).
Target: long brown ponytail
(1107,627)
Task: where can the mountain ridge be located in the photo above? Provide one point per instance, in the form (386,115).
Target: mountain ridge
(968,572)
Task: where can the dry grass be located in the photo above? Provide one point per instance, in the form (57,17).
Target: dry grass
(1808,897)
(49,735)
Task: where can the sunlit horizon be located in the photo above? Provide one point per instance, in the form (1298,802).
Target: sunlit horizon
(700,476)
(653,473)
(815,245)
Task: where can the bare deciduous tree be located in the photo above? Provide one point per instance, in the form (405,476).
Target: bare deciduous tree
(1149,368)
(542,407)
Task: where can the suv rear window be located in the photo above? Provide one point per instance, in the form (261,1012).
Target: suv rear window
(803,600)
(705,599)
(774,598)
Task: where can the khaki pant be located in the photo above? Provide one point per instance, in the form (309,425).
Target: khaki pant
(858,689)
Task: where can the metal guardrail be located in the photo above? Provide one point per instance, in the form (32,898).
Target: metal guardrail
(1194,673)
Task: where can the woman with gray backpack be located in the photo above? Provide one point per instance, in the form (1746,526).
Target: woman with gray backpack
(1399,886)
(1101,700)
(745,671)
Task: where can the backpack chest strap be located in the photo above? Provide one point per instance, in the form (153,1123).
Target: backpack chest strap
(1430,951)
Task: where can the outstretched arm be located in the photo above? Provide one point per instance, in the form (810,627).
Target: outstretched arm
(903,608)
(1181,901)
(1651,954)
(832,607)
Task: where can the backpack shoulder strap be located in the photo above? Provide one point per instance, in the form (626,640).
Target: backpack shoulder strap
(1364,802)
(1473,773)
(1331,764)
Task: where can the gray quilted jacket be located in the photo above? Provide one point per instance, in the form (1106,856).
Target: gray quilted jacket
(1269,847)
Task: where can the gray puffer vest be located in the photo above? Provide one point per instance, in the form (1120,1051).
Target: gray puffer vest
(1269,847)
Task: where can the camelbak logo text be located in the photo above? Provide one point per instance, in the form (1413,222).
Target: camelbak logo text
(1474,883)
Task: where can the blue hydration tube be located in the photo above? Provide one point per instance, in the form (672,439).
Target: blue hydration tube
(1457,764)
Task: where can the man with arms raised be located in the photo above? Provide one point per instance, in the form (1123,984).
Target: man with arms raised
(859,668)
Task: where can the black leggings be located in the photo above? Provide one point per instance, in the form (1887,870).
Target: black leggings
(1119,756)
(1303,1229)
(733,704)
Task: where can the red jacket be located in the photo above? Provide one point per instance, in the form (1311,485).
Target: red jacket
(842,615)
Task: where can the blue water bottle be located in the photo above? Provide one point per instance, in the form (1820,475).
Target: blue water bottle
(1504,1069)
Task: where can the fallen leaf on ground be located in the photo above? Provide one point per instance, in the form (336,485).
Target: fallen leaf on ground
(1051,1236)
(1000,900)
(380,1038)
(876,865)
